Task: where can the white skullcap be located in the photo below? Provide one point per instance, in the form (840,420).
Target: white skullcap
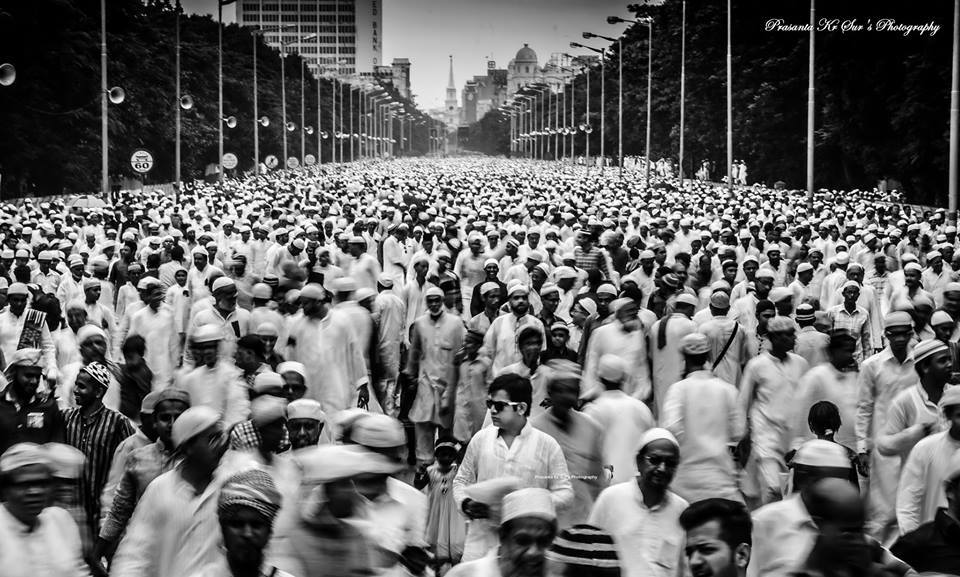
(267,329)
(687,299)
(262,291)
(292,367)
(491,261)
(781,324)
(24,455)
(364,293)
(267,381)
(207,334)
(313,291)
(607,289)
(951,396)
(433,291)
(897,319)
(695,344)
(487,287)
(192,422)
(18,288)
(66,460)
(343,284)
(656,434)
(89,330)
(378,431)
(306,409)
(328,463)
(145,283)
(941,317)
(222,283)
(530,502)
(611,368)
(266,409)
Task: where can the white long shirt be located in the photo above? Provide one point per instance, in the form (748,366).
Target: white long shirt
(51,549)
(158,330)
(630,346)
(623,419)
(220,388)
(768,392)
(921,483)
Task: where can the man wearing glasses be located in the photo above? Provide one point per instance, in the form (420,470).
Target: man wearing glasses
(643,515)
(510,448)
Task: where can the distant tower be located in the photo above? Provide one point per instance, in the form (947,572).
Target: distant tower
(451,101)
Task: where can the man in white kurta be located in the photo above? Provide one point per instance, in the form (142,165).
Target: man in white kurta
(665,355)
(921,490)
(703,414)
(336,375)
(500,342)
(216,382)
(768,391)
(882,377)
(623,419)
(389,316)
(625,337)
(533,457)
(435,339)
(155,324)
(834,381)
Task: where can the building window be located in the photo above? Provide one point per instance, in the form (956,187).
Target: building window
(348,39)
(271,7)
(289,17)
(270,17)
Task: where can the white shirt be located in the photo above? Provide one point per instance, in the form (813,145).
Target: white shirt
(921,483)
(52,549)
(703,414)
(649,541)
(611,338)
(783,535)
(768,391)
(623,420)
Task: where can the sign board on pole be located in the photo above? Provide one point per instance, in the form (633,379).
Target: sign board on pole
(292,162)
(309,160)
(271,161)
(230,161)
(141,161)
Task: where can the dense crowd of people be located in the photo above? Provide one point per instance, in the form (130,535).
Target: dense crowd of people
(479,367)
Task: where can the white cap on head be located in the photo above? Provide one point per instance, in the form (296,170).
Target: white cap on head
(306,409)
(192,422)
(529,502)
(656,434)
(821,453)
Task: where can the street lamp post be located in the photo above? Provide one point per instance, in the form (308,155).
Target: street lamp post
(810,107)
(729,100)
(603,85)
(104,132)
(619,42)
(954,114)
(176,159)
(220,5)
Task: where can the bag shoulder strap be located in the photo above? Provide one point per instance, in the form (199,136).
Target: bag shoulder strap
(726,347)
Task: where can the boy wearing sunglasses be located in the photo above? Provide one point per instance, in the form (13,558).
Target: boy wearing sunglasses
(510,448)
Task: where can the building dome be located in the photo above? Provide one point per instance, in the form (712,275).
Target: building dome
(526,54)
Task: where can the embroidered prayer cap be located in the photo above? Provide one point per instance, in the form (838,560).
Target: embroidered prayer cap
(253,489)
(99,373)
(529,502)
(584,546)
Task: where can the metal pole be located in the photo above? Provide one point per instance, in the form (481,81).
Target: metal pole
(620,104)
(603,109)
(556,126)
(649,92)
(283,99)
(683,83)
(104,133)
(176,104)
(954,114)
(587,123)
(729,100)
(564,106)
(351,122)
(341,122)
(333,119)
(303,123)
(573,118)
(256,112)
(810,106)
(220,90)
(319,126)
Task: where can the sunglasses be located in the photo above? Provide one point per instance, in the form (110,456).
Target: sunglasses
(499,406)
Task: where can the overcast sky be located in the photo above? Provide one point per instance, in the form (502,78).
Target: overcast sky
(428,31)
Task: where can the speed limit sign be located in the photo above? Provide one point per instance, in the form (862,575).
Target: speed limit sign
(271,161)
(230,161)
(309,160)
(293,162)
(141,161)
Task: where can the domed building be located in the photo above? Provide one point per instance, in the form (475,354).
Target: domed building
(523,70)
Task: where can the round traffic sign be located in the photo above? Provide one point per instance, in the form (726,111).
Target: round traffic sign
(309,160)
(292,162)
(271,161)
(141,161)
(230,161)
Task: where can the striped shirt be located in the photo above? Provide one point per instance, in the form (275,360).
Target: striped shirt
(98,437)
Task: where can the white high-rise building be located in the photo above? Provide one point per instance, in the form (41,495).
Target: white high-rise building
(348,33)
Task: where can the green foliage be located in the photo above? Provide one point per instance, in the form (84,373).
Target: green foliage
(50,117)
(882,98)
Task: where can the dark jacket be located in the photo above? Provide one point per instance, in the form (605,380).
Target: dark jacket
(38,421)
(932,547)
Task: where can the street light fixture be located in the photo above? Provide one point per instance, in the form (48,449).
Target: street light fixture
(8,74)
(603,85)
(619,42)
(648,22)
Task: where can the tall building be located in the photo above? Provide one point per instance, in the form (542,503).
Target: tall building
(483,93)
(451,108)
(347,33)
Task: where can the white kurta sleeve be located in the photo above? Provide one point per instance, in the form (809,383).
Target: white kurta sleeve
(135,554)
(910,493)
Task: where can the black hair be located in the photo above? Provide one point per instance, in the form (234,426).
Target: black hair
(765,305)
(517,388)
(153,260)
(176,253)
(733,518)
(529,332)
(252,343)
(823,416)
(134,344)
